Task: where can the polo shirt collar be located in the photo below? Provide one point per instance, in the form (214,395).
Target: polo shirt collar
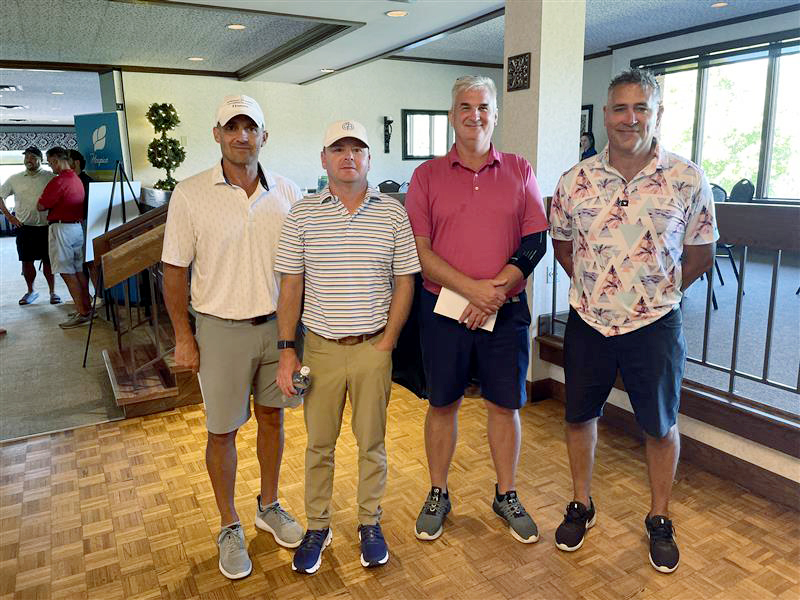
(658,162)
(219,176)
(327,196)
(494,157)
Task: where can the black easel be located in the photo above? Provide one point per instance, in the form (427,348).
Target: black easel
(119,175)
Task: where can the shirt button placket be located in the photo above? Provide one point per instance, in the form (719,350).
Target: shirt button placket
(475,185)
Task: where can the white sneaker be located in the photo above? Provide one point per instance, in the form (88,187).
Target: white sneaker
(76,320)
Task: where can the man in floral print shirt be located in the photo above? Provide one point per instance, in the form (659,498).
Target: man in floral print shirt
(633,227)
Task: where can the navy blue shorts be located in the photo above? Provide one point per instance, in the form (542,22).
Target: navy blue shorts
(451,353)
(651,361)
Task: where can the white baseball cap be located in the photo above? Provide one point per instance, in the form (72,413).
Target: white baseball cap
(239,105)
(345,129)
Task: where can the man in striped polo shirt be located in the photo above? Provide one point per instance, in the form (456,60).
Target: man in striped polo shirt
(351,250)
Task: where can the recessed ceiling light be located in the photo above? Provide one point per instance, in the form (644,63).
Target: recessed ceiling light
(397,13)
(237,26)
(195,58)
(57,93)
(327,70)
(719,4)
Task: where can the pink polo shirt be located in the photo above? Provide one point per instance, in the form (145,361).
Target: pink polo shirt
(475,220)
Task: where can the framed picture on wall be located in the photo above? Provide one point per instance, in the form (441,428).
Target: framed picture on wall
(586,118)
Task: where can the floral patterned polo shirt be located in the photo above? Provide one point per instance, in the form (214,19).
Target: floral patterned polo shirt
(628,237)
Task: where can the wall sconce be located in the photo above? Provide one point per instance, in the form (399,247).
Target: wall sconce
(387,133)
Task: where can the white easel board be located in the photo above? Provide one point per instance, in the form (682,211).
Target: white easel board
(99,194)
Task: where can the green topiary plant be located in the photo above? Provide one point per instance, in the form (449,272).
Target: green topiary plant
(164,152)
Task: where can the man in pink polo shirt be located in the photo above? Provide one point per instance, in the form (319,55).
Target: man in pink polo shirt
(480,229)
(63,198)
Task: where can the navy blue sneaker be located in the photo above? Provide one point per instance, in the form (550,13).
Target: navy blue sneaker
(308,556)
(374,552)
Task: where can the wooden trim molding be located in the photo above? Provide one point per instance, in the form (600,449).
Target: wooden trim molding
(765,483)
(737,418)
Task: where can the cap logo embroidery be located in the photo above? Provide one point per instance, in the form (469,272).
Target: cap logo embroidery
(347,126)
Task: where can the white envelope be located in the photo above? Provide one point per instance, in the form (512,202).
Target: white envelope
(450,304)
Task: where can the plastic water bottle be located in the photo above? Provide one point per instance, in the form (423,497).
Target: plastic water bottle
(302,380)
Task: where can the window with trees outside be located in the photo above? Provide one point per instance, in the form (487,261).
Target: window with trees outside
(732,109)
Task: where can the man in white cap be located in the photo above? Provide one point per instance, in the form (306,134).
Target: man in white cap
(225,223)
(350,248)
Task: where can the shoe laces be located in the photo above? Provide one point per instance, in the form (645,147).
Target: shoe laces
(513,505)
(230,542)
(661,529)
(314,537)
(574,513)
(283,516)
(371,533)
(433,503)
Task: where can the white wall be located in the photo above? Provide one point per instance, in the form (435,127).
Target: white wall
(296,115)
(596,75)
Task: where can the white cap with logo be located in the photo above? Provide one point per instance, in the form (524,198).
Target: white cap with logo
(239,105)
(345,129)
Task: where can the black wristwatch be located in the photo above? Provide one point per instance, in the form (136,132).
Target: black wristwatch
(285,344)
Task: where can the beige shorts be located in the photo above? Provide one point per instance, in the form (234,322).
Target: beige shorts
(237,359)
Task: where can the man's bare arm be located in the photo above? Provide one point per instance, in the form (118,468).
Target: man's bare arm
(289,304)
(402,298)
(696,261)
(563,252)
(15,222)
(485,294)
(176,298)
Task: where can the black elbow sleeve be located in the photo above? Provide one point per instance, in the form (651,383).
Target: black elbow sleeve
(531,250)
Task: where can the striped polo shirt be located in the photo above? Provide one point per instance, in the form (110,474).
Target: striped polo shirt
(349,260)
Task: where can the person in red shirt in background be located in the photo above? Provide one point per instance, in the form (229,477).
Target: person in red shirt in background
(63,198)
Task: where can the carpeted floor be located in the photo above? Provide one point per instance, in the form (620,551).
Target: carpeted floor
(43,385)
(785,343)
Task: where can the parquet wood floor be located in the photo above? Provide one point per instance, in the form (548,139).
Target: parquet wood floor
(125,510)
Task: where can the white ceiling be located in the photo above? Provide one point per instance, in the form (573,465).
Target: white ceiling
(608,22)
(164,33)
(81,96)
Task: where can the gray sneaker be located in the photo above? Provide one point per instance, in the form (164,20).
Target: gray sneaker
(234,562)
(430,521)
(283,527)
(77,320)
(520,523)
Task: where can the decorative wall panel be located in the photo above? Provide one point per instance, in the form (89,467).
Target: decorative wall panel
(43,140)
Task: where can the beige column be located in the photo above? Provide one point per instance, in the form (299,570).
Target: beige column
(542,123)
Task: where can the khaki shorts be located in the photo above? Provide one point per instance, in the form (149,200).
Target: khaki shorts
(237,359)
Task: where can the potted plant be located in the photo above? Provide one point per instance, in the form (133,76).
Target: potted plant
(163,153)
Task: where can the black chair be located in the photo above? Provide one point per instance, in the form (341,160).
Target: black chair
(742,191)
(721,196)
(389,185)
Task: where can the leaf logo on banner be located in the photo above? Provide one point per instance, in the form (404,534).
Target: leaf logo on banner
(99,138)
